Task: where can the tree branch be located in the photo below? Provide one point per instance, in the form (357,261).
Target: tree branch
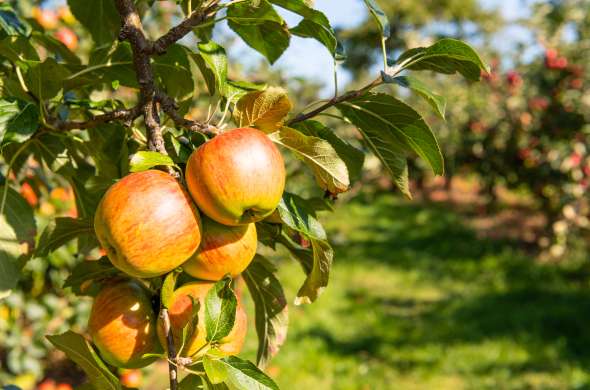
(336,100)
(170,107)
(177,32)
(123,115)
(172,369)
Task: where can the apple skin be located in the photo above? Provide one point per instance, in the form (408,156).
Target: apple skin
(122,325)
(224,250)
(236,178)
(180,314)
(67,37)
(148,224)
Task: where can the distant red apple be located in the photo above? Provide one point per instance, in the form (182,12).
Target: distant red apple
(224,250)
(148,224)
(47,384)
(180,314)
(67,37)
(122,325)
(45,17)
(238,177)
(131,378)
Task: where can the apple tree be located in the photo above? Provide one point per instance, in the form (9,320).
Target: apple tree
(164,189)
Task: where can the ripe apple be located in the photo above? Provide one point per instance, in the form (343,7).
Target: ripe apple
(224,250)
(180,314)
(122,324)
(131,378)
(47,18)
(238,177)
(67,37)
(148,224)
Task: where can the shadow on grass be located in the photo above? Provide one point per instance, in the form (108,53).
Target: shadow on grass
(492,292)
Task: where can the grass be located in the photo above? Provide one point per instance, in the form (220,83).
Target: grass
(417,301)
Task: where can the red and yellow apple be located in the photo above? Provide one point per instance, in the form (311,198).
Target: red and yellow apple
(224,250)
(236,178)
(148,224)
(67,37)
(180,313)
(122,324)
(47,18)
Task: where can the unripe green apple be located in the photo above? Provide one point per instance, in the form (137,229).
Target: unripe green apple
(122,325)
(224,250)
(238,177)
(148,224)
(180,313)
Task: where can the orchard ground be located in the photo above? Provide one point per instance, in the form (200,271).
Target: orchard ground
(417,301)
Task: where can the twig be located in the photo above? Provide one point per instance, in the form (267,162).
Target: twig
(124,115)
(336,100)
(177,32)
(170,107)
(172,367)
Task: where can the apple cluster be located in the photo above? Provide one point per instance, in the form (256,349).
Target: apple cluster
(149,225)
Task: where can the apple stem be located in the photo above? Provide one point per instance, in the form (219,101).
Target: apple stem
(172,368)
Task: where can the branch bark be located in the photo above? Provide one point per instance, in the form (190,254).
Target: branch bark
(123,115)
(170,107)
(172,369)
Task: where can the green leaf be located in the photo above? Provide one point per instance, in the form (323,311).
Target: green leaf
(60,231)
(260,27)
(173,72)
(330,171)
(17,238)
(271,314)
(392,129)
(314,24)
(89,271)
(11,23)
(81,352)
(108,148)
(238,374)
(55,46)
(99,17)
(265,110)
(214,60)
(380,17)
(167,292)
(18,50)
(19,120)
(297,214)
(352,157)
(88,189)
(446,56)
(45,79)
(235,90)
(144,160)
(190,382)
(437,102)
(220,310)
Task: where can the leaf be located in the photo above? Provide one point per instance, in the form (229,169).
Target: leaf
(55,46)
(60,231)
(45,79)
(380,17)
(238,374)
(235,90)
(260,27)
(17,238)
(19,120)
(11,23)
(270,304)
(446,56)
(330,171)
(18,50)
(296,214)
(144,160)
(265,110)
(437,102)
(89,271)
(190,382)
(220,310)
(214,60)
(352,157)
(99,17)
(314,24)
(78,349)
(392,129)
(167,292)
(172,70)
(108,148)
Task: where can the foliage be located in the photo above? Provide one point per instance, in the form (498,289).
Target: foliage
(69,114)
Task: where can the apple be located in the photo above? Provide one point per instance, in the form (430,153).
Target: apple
(48,19)
(67,37)
(236,178)
(47,384)
(224,250)
(180,312)
(148,224)
(122,324)
(131,378)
